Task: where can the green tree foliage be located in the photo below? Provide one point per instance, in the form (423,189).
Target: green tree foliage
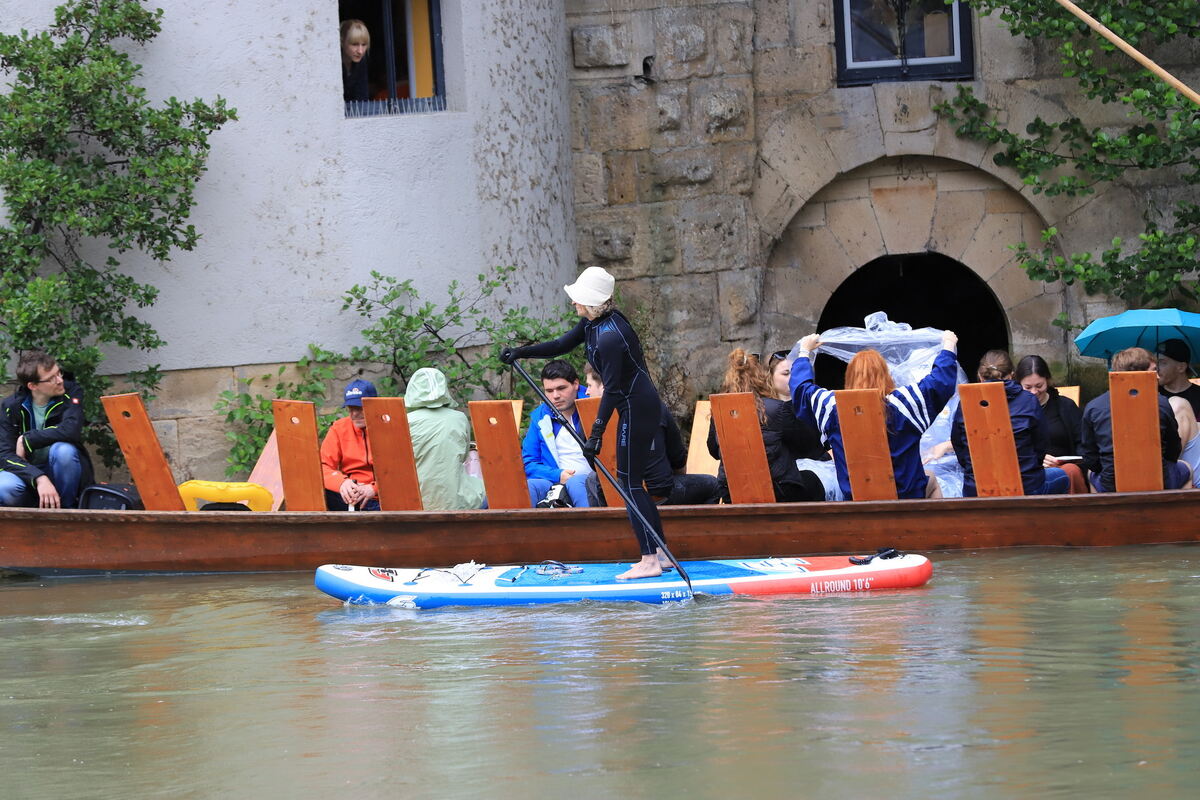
(402,332)
(1067,157)
(89,170)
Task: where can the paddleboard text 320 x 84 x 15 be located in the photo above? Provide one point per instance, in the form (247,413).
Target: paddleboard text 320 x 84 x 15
(551,582)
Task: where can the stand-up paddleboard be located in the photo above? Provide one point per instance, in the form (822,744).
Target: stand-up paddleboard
(551,582)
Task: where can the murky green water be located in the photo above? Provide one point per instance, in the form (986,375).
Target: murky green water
(1014,674)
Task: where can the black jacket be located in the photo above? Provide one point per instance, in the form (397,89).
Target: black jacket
(64,423)
(1096,444)
(785,439)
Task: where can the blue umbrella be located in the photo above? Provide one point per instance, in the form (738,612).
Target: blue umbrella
(1142,327)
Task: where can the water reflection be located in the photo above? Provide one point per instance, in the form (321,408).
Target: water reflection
(1013,673)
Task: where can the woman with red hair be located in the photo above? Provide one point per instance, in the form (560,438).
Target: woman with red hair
(908,410)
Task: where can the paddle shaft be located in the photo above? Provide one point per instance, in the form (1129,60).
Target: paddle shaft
(632,506)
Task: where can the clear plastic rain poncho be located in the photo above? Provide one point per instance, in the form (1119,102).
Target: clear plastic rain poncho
(909,354)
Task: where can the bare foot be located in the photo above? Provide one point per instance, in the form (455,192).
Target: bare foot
(664,563)
(642,569)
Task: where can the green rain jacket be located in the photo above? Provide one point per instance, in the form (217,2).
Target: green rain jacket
(441,438)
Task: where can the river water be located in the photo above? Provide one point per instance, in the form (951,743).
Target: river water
(1020,673)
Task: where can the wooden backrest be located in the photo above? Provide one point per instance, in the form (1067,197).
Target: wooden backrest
(1137,441)
(864,438)
(299,454)
(990,439)
(143,454)
(518,409)
(392,454)
(1069,392)
(499,453)
(739,433)
(588,407)
(266,471)
(699,462)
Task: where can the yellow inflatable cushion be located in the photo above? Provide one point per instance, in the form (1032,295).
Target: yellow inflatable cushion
(258,498)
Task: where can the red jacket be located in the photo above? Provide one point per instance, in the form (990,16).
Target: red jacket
(346,453)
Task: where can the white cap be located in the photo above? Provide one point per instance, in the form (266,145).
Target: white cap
(593,286)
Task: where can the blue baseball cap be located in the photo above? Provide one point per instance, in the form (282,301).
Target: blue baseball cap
(357,390)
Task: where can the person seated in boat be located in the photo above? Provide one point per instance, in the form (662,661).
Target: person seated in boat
(908,410)
(1028,427)
(785,437)
(551,454)
(666,479)
(1096,441)
(441,440)
(1174,359)
(347,469)
(42,458)
(1061,419)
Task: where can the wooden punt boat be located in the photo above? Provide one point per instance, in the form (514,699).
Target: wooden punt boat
(75,542)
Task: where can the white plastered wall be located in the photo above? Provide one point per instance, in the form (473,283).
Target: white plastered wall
(300,203)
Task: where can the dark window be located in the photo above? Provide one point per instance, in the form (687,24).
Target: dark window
(402,70)
(903,40)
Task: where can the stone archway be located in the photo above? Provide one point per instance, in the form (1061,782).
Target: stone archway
(910,205)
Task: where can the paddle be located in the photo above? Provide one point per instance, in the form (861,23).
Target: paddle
(658,542)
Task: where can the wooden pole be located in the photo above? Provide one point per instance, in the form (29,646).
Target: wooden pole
(1131,51)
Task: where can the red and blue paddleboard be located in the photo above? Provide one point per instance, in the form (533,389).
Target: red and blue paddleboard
(551,582)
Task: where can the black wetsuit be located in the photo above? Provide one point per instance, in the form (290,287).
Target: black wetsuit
(614,350)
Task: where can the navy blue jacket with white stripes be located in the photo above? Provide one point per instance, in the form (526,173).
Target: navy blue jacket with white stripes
(910,411)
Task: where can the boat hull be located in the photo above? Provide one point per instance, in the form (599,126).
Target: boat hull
(79,542)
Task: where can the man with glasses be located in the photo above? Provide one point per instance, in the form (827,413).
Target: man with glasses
(42,458)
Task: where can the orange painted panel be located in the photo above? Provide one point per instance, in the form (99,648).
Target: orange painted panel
(1069,392)
(420,44)
(1137,441)
(266,471)
(740,436)
(299,455)
(990,439)
(499,453)
(392,454)
(143,453)
(864,438)
(588,408)
(699,462)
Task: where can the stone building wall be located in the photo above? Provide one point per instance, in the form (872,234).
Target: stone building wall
(739,186)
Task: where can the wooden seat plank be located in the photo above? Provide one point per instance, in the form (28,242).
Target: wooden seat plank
(392,454)
(299,454)
(699,462)
(266,471)
(864,439)
(990,439)
(739,432)
(588,407)
(1069,392)
(1137,441)
(143,453)
(499,453)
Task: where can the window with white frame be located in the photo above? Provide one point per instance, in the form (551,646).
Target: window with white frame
(903,40)
(391,56)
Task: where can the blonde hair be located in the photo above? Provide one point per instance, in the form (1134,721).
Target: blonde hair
(353,31)
(744,373)
(996,365)
(1132,359)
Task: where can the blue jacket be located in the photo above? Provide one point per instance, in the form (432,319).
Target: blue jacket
(1029,435)
(538,449)
(910,412)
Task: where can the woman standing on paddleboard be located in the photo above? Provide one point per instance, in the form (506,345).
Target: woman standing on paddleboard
(614,350)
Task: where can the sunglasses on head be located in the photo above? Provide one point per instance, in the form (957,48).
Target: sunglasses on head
(778,355)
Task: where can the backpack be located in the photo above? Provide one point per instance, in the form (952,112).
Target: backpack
(111,496)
